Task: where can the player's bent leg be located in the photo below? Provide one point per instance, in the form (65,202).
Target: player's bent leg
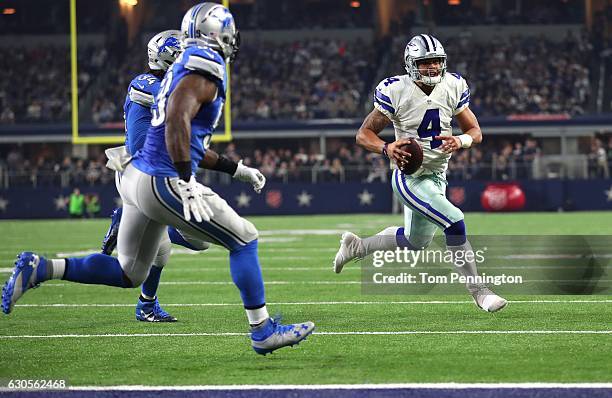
(267,334)
(138,243)
(31,270)
(483,296)
(427,196)
(239,236)
(148,308)
(418,228)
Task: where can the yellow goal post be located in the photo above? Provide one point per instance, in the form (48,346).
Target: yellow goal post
(120,138)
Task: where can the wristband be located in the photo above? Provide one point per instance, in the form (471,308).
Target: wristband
(184,170)
(225,165)
(384,151)
(466,140)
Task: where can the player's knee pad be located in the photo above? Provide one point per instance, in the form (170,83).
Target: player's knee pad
(137,275)
(136,271)
(249,232)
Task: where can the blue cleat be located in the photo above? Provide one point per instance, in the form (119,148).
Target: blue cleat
(273,335)
(25,276)
(151,311)
(110,239)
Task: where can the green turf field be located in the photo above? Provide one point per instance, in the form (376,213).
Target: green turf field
(302,287)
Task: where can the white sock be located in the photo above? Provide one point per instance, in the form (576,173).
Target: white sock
(466,268)
(257,316)
(384,240)
(56,268)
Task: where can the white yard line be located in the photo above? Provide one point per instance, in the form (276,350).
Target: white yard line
(345,386)
(413,302)
(353,333)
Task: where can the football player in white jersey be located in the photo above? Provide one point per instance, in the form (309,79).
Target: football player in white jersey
(421,105)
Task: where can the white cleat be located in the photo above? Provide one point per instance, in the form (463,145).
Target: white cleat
(488,301)
(350,249)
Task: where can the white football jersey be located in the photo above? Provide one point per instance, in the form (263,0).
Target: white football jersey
(419,116)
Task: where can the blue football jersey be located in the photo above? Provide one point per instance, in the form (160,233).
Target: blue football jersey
(153,158)
(137,110)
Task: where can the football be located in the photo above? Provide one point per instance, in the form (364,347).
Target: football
(413,163)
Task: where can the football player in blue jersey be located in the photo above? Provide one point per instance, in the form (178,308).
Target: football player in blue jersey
(159,189)
(162,51)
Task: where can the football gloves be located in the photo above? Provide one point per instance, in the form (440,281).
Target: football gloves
(192,195)
(251,175)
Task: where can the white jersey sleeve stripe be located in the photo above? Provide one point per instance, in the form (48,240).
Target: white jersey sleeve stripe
(205,65)
(141,97)
(386,107)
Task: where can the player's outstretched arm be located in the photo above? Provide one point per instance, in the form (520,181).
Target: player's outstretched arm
(213,161)
(471,133)
(367,137)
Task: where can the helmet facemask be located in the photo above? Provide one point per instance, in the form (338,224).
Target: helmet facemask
(416,75)
(424,47)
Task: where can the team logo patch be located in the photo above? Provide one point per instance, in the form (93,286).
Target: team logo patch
(274,198)
(457,195)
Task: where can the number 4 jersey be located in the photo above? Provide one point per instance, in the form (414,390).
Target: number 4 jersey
(420,116)
(153,158)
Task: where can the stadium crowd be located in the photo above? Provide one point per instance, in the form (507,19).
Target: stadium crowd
(499,159)
(309,79)
(519,75)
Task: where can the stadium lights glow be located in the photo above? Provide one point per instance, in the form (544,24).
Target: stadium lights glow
(355,4)
(9,11)
(130,3)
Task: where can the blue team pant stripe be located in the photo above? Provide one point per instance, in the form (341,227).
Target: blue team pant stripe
(169,200)
(408,201)
(417,204)
(385,106)
(423,203)
(222,228)
(382,97)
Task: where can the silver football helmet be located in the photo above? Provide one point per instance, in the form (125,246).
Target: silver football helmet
(163,49)
(422,47)
(211,25)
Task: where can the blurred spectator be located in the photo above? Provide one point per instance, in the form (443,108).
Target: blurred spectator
(76,204)
(598,160)
(92,205)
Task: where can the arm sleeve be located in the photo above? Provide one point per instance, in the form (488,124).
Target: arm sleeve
(138,120)
(463,95)
(384,98)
